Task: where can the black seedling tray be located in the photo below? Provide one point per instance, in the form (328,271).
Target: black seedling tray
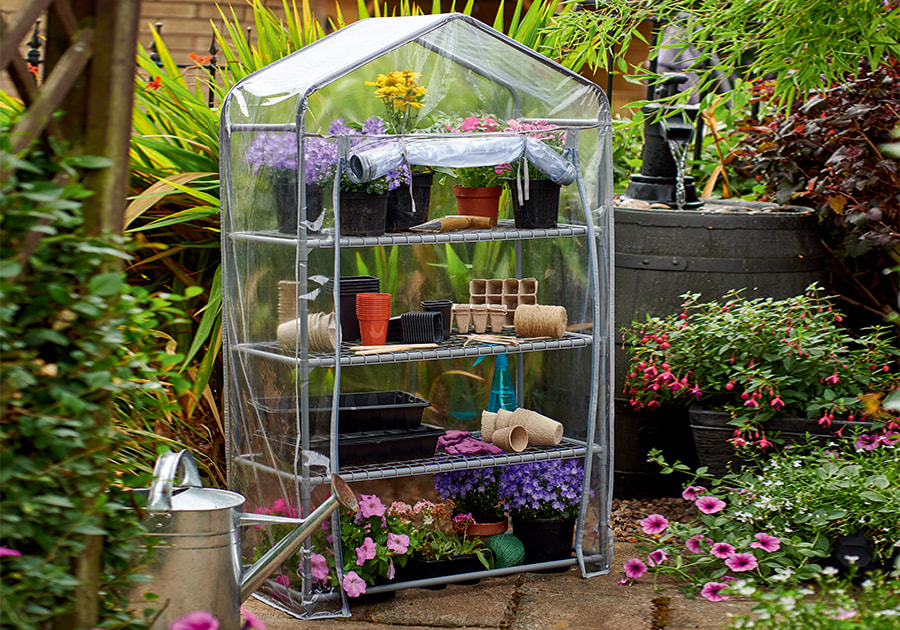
(369,447)
(358,411)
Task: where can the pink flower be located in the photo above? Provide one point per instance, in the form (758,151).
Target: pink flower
(197,620)
(624,581)
(6,551)
(398,543)
(657,557)
(654,524)
(751,402)
(834,379)
(841,614)
(713,591)
(318,567)
(766,542)
(634,568)
(692,493)
(283,580)
(353,585)
(695,391)
(741,562)
(777,402)
(709,504)
(251,620)
(469,124)
(365,552)
(866,442)
(285,508)
(391,572)
(693,543)
(370,505)
(722,550)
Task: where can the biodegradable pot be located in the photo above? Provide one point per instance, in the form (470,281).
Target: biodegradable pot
(400,212)
(284,188)
(541,209)
(711,433)
(479,202)
(545,539)
(362,213)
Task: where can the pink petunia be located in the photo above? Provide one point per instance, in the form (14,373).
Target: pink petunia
(398,543)
(391,572)
(283,580)
(318,567)
(693,543)
(634,568)
(741,562)
(353,585)
(251,620)
(370,505)
(713,591)
(657,557)
(722,550)
(6,551)
(365,552)
(654,524)
(197,620)
(766,542)
(709,504)
(692,493)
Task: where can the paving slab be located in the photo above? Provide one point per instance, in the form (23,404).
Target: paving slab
(530,601)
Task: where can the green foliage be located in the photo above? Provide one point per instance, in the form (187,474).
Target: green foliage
(834,604)
(77,348)
(801,46)
(761,358)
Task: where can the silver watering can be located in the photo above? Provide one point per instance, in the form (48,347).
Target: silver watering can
(197,563)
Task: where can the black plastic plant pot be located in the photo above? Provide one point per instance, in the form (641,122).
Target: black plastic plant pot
(401,215)
(286,205)
(421,568)
(541,209)
(545,539)
(363,214)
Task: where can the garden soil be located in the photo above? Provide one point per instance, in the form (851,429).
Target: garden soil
(532,601)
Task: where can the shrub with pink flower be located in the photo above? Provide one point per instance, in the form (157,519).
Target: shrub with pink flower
(474,176)
(436,532)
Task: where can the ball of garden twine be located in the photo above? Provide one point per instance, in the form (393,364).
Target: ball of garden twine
(538,320)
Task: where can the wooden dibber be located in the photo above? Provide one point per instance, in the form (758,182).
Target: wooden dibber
(453,222)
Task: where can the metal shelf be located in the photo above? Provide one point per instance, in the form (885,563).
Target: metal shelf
(453,348)
(569,448)
(504,231)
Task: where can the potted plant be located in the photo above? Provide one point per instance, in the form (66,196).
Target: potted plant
(543,499)
(438,541)
(401,95)
(476,492)
(756,362)
(364,205)
(274,154)
(479,189)
(535,197)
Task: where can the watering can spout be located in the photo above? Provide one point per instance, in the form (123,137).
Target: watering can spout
(341,494)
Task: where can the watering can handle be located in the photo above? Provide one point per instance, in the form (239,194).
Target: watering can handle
(167,467)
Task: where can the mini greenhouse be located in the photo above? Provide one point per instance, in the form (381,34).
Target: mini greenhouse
(305,398)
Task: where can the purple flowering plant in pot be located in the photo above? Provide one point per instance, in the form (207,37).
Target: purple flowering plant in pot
(543,498)
(475,491)
(761,360)
(781,522)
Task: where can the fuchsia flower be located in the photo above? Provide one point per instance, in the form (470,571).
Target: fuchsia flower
(692,493)
(634,568)
(722,550)
(6,551)
(353,585)
(197,620)
(713,591)
(319,567)
(370,505)
(777,402)
(766,542)
(741,562)
(709,504)
(654,524)
(365,552)
(657,557)
(834,379)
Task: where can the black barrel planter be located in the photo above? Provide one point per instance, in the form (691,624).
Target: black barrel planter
(767,250)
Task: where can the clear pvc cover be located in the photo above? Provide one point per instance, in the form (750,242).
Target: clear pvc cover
(301,402)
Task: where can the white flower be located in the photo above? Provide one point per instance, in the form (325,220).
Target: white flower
(829,571)
(805,591)
(851,559)
(787,602)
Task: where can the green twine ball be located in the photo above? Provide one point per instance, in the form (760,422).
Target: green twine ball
(507,549)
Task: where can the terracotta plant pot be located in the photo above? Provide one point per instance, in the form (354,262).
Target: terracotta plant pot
(479,202)
(483,531)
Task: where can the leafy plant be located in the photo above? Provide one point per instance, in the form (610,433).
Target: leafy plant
(759,359)
(473,176)
(437,533)
(825,154)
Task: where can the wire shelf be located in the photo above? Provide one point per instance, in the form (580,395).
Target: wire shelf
(454,348)
(504,231)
